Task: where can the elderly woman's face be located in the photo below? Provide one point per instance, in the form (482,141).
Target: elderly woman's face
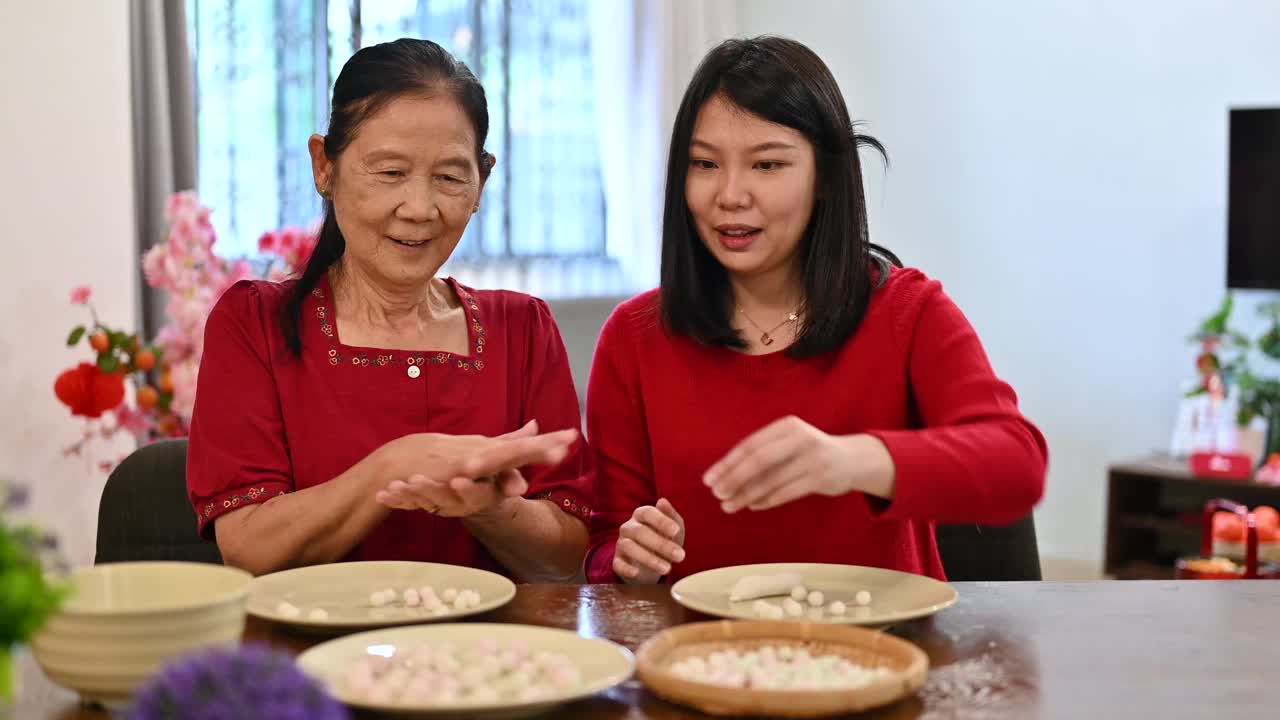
(404,188)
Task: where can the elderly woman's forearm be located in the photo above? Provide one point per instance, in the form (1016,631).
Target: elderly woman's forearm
(533,539)
(316,525)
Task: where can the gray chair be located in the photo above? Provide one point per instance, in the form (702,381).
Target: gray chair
(990,552)
(144,513)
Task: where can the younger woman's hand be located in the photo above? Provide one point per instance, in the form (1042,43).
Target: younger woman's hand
(649,543)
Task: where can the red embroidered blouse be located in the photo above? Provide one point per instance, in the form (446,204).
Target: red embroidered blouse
(267,423)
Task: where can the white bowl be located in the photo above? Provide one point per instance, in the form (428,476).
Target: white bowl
(123,622)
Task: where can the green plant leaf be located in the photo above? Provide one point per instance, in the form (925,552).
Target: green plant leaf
(1269,343)
(27,598)
(108,362)
(76,334)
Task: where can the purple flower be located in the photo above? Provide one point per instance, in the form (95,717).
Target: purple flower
(15,497)
(249,683)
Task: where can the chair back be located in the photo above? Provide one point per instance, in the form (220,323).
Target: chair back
(145,513)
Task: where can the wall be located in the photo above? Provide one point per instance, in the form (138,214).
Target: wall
(66,204)
(1060,166)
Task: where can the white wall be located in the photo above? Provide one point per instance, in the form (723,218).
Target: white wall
(66,204)
(1060,166)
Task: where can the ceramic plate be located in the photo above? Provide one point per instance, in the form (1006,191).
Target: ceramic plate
(342,591)
(602,665)
(895,596)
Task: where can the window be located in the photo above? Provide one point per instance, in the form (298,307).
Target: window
(264,70)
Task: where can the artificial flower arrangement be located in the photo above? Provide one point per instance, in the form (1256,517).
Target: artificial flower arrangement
(163,370)
(29,592)
(252,682)
(1226,366)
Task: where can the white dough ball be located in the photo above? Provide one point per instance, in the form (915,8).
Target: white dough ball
(318,614)
(836,608)
(449,595)
(288,610)
(862,598)
(799,592)
(816,599)
(411,598)
(485,695)
(792,608)
(379,694)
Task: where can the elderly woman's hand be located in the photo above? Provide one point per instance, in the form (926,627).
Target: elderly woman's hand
(462,475)
(459,497)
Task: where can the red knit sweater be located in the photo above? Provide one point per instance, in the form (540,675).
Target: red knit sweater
(661,410)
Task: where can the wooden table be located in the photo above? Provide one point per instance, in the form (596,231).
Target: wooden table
(1158,649)
(1154,510)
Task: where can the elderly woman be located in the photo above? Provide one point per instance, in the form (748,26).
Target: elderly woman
(369,409)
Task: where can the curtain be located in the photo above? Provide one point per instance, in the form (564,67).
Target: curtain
(640,77)
(164,133)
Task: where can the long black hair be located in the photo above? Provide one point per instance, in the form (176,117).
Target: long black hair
(783,82)
(372,78)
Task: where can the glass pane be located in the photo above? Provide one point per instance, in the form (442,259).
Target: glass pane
(265,73)
(385,20)
(556,198)
(340,41)
(300,80)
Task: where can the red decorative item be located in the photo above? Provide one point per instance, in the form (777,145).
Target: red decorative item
(88,391)
(1225,465)
(1207,566)
(1269,474)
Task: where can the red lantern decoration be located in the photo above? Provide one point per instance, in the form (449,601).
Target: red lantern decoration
(88,391)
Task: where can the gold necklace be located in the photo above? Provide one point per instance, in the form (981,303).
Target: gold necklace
(766,337)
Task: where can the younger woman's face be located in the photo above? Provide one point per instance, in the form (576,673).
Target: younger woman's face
(750,188)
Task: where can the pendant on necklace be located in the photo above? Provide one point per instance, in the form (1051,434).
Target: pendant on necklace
(766,339)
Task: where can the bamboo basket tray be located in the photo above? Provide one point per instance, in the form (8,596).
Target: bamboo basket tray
(865,647)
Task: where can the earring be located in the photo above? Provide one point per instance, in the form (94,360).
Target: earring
(475,210)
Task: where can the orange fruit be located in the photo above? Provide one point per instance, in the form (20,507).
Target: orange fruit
(1267,520)
(1228,526)
(166,383)
(99,341)
(167,425)
(147,397)
(144,360)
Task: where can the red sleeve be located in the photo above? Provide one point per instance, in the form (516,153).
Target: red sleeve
(550,398)
(236,454)
(616,427)
(976,458)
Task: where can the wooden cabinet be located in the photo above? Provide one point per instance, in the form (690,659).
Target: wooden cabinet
(1153,514)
